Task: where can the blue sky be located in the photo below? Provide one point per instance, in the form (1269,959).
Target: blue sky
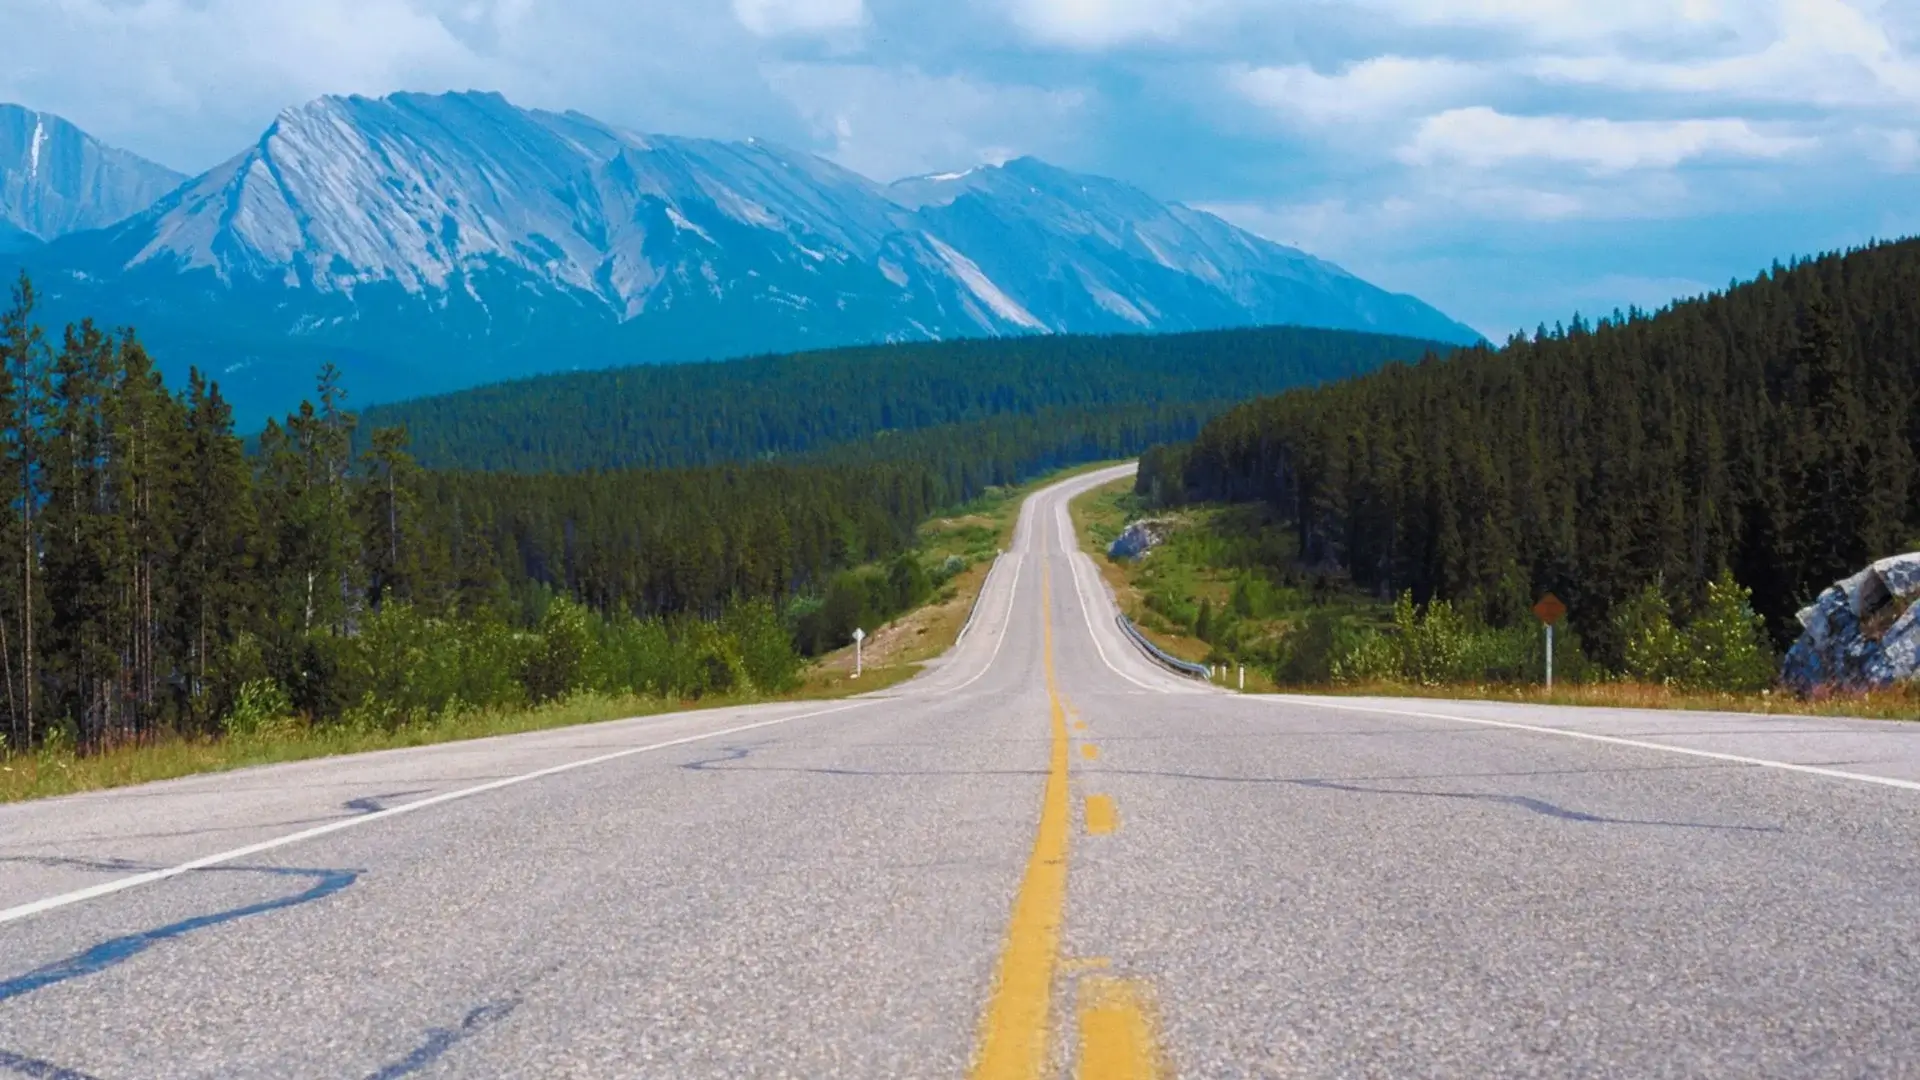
(1511,161)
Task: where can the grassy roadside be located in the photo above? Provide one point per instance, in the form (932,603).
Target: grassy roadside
(1163,592)
(976,532)
(894,654)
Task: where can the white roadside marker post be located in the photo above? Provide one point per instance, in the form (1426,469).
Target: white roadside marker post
(859,636)
(1243,677)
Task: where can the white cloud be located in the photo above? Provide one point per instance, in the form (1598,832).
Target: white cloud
(1100,24)
(887,123)
(1581,24)
(1821,52)
(772,17)
(191,82)
(1480,137)
(1381,88)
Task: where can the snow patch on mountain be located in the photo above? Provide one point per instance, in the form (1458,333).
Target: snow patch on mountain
(449,239)
(983,287)
(56,179)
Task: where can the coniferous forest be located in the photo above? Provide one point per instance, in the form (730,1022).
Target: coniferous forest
(1770,431)
(159,574)
(785,406)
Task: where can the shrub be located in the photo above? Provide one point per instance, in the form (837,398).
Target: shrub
(951,567)
(260,708)
(1653,649)
(1364,656)
(766,653)
(1726,643)
(558,665)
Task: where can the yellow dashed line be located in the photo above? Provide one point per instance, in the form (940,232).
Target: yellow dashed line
(1102,818)
(1089,751)
(1085,963)
(1013,1039)
(1117,1040)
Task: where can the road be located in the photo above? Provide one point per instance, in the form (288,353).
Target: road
(1046,856)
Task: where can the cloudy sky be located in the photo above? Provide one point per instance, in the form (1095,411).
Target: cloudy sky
(1511,161)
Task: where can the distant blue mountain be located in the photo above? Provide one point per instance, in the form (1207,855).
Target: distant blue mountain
(432,242)
(56,179)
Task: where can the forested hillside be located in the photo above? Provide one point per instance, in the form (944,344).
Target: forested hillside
(156,577)
(1771,430)
(781,406)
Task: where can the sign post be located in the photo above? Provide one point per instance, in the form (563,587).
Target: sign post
(859,636)
(1550,610)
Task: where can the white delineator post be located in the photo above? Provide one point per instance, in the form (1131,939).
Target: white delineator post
(1243,676)
(1549,656)
(859,636)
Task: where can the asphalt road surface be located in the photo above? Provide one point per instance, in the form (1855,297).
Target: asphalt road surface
(1047,856)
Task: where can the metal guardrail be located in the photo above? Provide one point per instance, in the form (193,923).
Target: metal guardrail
(1197,671)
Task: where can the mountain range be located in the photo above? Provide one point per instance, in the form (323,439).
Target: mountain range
(431,242)
(56,179)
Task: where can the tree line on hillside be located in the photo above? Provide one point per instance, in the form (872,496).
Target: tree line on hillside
(156,577)
(1763,439)
(784,406)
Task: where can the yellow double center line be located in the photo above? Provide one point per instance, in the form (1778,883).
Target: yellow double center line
(1014,1032)
(1115,1031)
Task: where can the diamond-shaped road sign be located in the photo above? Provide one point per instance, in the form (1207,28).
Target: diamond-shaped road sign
(1550,610)
(859,634)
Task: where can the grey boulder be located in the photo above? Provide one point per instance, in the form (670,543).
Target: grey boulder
(1139,538)
(1861,634)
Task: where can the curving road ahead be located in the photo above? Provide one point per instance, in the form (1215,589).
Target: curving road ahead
(1045,856)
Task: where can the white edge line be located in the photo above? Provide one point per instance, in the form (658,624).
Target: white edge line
(108,888)
(1615,740)
(985,584)
(1006,627)
(1086,612)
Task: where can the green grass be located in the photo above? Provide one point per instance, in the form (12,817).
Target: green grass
(975,532)
(1219,558)
(1216,549)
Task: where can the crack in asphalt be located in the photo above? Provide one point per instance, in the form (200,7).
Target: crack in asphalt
(114,951)
(441,1040)
(732,755)
(373,804)
(38,1069)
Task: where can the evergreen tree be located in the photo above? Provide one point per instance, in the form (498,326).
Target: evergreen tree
(215,523)
(23,364)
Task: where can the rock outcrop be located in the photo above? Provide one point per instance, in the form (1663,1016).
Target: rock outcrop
(1139,538)
(1861,634)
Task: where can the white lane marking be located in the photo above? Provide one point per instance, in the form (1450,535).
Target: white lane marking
(986,586)
(107,888)
(1086,611)
(1006,628)
(1615,740)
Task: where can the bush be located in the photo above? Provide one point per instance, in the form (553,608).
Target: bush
(1439,646)
(1724,647)
(907,584)
(260,708)
(1726,642)
(1654,651)
(1365,656)
(950,567)
(558,665)
(1324,648)
(766,652)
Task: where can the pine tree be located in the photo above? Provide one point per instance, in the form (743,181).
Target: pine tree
(23,362)
(390,518)
(1833,478)
(215,525)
